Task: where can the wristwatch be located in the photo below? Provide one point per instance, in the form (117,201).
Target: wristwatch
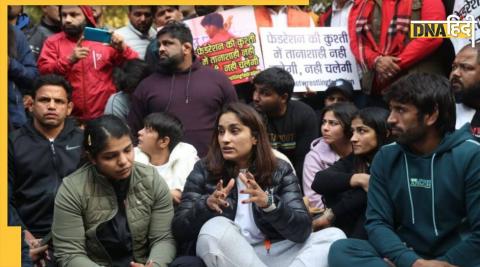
(270,203)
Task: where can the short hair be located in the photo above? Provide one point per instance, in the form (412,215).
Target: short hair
(153,9)
(52,79)
(214,19)
(476,48)
(130,75)
(205,10)
(177,30)
(343,111)
(278,79)
(165,124)
(428,93)
(99,130)
(263,161)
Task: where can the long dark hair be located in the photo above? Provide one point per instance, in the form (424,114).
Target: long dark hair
(98,131)
(343,112)
(263,162)
(375,118)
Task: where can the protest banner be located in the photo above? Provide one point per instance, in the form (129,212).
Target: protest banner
(228,41)
(314,56)
(462,8)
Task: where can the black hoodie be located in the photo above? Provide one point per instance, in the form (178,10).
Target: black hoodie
(36,167)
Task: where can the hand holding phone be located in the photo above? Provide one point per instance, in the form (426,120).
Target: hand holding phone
(79,52)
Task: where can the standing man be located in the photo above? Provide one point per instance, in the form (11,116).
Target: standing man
(465,81)
(87,65)
(138,33)
(165,14)
(182,86)
(424,193)
(291,125)
(49,24)
(40,154)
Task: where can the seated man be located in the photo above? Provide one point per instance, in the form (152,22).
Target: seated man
(339,90)
(159,146)
(40,154)
(291,125)
(423,197)
(465,81)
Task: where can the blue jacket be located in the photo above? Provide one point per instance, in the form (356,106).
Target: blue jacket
(417,205)
(22,71)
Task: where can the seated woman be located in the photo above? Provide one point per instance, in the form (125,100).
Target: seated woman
(112,211)
(326,150)
(244,205)
(345,183)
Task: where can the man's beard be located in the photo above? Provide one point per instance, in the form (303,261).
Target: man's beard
(74,31)
(470,96)
(169,64)
(411,135)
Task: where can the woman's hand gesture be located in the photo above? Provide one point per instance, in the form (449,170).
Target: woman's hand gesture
(217,200)
(257,195)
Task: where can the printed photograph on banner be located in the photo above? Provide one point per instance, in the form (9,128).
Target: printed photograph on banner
(228,41)
(314,56)
(462,8)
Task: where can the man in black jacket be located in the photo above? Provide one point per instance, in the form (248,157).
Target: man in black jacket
(40,154)
(48,25)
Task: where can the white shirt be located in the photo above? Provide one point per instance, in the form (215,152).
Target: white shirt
(340,15)
(464,115)
(244,216)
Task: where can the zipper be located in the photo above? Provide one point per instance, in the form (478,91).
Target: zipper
(84,96)
(55,164)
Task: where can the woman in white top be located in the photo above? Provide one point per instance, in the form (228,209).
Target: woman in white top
(244,205)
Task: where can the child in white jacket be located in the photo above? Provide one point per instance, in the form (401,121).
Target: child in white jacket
(159,146)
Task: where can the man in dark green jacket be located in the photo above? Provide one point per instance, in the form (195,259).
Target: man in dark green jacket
(424,193)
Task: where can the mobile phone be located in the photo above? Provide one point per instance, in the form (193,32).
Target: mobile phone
(97,35)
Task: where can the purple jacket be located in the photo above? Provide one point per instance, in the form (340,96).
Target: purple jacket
(320,157)
(194,96)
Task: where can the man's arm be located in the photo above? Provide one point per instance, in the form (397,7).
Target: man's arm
(52,61)
(305,133)
(379,219)
(13,217)
(419,48)
(123,52)
(138,110)
(22,69)
(467,252)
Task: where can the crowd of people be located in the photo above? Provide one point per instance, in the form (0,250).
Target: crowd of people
(134,153)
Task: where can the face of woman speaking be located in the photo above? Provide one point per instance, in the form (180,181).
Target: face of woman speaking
(235,139)
(116,160)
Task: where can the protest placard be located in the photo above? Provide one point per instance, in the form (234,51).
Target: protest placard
(228,41)
(314,56)
(462,8)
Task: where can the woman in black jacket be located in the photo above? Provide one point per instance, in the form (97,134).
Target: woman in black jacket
(244,205)
(345,183)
